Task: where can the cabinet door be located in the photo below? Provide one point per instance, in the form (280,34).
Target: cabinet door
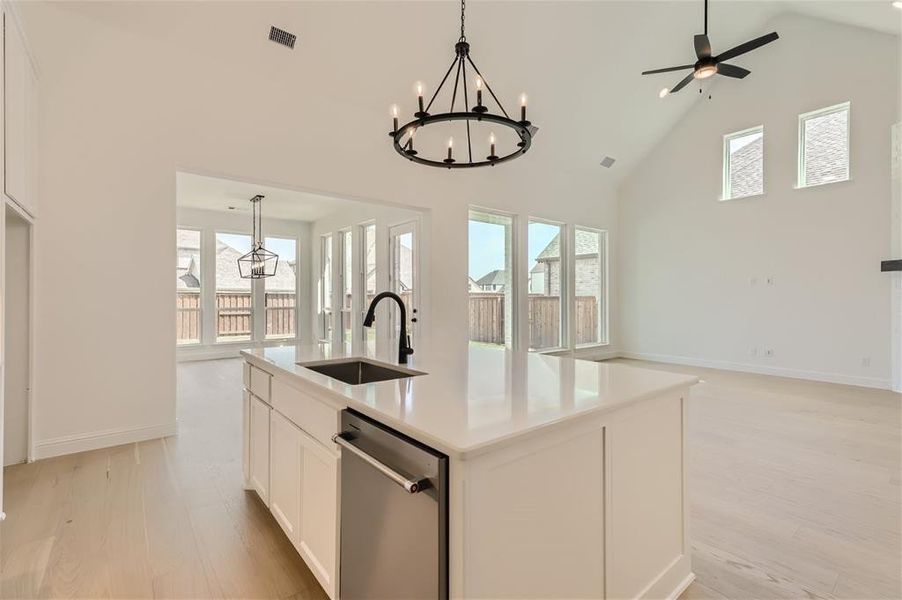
(318,534)
(259,448)
(285,474)
(246,439)
(16,75)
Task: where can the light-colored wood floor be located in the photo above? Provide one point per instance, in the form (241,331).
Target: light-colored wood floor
(160,519)
(794,491)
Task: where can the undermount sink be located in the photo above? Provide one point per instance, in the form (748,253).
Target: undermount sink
(356,371)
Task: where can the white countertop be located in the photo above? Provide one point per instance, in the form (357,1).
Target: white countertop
(498,395)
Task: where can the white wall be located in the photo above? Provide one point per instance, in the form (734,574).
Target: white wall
(130,94)
(688,260)
(16,375)
(209,222)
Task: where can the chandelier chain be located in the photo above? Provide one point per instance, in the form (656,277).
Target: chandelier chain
(463,8)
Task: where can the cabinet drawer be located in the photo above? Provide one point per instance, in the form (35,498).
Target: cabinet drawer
(318,419)
(260,383)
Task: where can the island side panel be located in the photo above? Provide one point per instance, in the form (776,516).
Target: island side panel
(647,542)
(532,518)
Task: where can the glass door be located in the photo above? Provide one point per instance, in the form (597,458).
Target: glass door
(403,275)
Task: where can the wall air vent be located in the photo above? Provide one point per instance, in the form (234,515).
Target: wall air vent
(607,162)
(280,36)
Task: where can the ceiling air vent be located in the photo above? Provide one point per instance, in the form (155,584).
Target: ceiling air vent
(280,36)
(607,162)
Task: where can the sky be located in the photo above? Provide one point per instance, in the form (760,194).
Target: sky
(285,248)
(487,245)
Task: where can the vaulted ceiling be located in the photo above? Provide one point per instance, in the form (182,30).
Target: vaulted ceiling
(580,62)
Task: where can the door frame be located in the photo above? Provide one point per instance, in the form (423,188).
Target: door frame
(398,229)
(30,396)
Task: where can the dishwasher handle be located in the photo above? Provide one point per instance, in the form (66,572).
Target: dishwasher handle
(412,486)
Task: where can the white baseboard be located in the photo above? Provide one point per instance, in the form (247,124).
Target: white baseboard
(81,442)
(869,382)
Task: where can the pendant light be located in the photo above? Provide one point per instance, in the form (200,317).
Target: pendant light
(259,263)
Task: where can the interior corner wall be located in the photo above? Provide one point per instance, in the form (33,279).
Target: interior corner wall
(694,270)
(123,108)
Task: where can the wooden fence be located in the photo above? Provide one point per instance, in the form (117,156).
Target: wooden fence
(487,319)
(234,316)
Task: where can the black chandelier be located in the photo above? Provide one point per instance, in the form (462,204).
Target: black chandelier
(403,136)
(259,263)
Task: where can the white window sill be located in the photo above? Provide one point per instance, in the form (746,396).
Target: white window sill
(735,198)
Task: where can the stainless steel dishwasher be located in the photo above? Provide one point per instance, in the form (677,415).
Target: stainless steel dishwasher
(394,514)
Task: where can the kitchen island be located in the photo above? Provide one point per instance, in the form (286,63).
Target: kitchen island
(566,478)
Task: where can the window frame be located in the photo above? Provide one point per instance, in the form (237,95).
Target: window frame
(801,179)
(361,296)
(565,292)
(726,185)
(325,333)
(297,295)
(254,319)
(345,282)
(201,296)
(603,264)
(512,299)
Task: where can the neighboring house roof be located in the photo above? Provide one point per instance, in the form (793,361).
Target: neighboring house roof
(496,277)
(586,243)
(471,284)
(539,268)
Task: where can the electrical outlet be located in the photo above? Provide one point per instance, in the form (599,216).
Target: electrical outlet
(865,361)
(753,351)
(768,352)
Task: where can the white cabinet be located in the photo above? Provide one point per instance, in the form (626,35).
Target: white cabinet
(258,434)
(318,535)
(293,470)
(285,471)
(19,117)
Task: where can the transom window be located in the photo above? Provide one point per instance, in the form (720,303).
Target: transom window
(824,146)
(743,164)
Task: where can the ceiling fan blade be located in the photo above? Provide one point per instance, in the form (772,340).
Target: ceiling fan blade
(668,69)
(732,71)
(683,83)
(748,46)
(702,46)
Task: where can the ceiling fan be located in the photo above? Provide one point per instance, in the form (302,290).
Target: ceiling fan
(708,65)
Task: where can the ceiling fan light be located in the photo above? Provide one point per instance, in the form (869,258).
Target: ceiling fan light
(705,71)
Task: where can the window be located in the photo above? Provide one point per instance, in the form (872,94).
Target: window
(824,146)
(368,279)
(234,303)
(545,285)
(590,312)
(281,290)
(347,268)
(188,288)
(325,288)
(743,164)
(404,261)
(490,278)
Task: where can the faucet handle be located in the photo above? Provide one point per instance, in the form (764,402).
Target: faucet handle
(408,350)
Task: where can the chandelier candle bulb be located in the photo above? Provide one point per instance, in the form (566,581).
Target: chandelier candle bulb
(394,115)
(450,147)
(420,98)
(478,91)
(523,107)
